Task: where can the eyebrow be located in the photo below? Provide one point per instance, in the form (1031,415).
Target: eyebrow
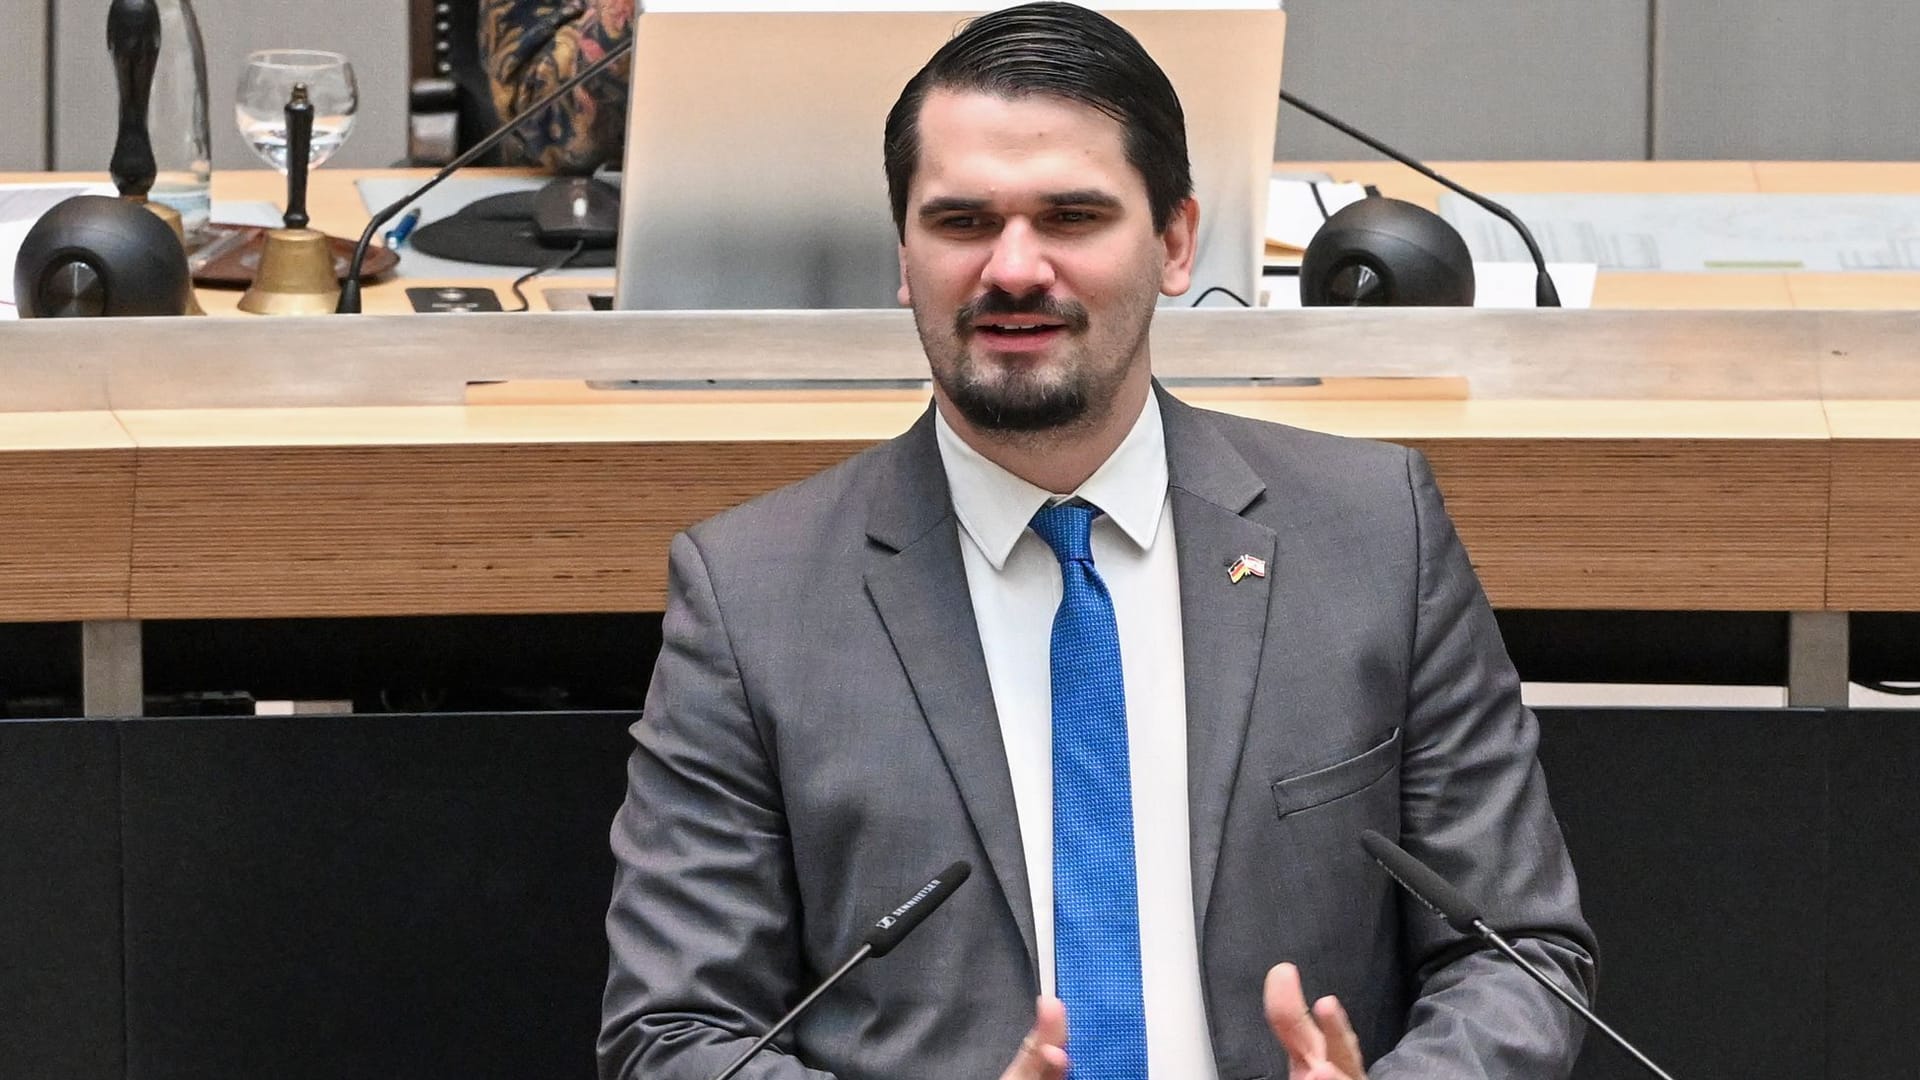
(949,204)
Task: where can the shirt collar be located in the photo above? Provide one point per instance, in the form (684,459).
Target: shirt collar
(994,506)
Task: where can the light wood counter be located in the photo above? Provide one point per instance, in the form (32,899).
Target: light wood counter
(555,508)
(1604,460)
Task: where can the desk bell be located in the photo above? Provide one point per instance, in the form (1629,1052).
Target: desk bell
(296,267)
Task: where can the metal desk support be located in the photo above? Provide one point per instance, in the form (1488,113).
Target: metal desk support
(1817,659)
(112,681)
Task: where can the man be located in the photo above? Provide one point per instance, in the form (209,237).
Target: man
(1151,669)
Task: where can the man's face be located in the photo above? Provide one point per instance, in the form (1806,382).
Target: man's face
(1030,259)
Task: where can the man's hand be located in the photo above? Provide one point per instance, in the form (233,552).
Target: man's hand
(1320,1042)
(1043,1053)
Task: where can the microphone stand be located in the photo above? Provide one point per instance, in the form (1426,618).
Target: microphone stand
(350,288)
(794,1013)
(1438,895)
(1544,294)
(1493,938)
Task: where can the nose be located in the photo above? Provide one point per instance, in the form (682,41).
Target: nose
(1019,263)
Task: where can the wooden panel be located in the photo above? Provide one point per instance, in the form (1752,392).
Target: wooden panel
(1693,292)
(569,508)
(1653,505)
(1674,525)
(1857,290)
(1653,422)
(199,363)
(1828,177)
(254,531)
(66,535)
(1860,362)
(410,530)
(1874,546)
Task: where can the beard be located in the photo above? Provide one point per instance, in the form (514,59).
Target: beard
(1072,389)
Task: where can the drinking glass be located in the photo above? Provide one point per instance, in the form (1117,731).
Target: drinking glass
(267,82)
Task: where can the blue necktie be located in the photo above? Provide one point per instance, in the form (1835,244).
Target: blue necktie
(1096,908)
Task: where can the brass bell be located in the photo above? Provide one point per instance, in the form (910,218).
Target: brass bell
(296,267)
(295,276)
(172,217)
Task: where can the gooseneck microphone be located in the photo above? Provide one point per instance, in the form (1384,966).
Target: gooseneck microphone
(888,931)
(1544,294)
(350,288)
(1440,897)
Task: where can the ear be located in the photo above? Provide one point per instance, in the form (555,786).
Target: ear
(1178,243)
(905,295)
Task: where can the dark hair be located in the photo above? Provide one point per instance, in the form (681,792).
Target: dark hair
(1057,50)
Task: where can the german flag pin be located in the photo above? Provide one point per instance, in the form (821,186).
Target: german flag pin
(1246,566)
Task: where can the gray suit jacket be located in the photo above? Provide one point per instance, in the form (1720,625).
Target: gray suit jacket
(820,738)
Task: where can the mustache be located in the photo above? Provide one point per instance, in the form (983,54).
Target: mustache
(1000,302)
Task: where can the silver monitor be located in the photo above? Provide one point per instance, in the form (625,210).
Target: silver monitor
(753,169)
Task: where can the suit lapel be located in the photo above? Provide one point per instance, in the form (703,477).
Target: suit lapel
(1223,622)
(921,594)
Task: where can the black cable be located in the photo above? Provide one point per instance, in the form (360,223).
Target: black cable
(1318,201)
(1889,688)
(1220,289)
(557,264)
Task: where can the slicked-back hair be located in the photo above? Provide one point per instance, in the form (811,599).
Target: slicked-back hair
(1061,50)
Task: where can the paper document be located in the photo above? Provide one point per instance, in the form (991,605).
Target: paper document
(1709,233)
(1495,285)
(246,212)
(1297,207)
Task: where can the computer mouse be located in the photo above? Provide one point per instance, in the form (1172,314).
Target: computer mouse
(576,210)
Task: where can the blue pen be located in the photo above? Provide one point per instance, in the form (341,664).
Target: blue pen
(402,229)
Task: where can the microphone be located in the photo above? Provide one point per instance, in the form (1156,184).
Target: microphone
(350,288)
(888,931)
(1439,896)
(1544,294)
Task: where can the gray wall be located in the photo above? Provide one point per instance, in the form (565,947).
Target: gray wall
(1468,79)
(1601,79)
(23,82)
(370,33)
(1828,79)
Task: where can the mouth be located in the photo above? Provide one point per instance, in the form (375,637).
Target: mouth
(1018,333)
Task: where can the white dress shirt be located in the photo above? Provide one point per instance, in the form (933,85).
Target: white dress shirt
(1014,581)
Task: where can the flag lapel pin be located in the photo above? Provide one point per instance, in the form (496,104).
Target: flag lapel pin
(1246,566)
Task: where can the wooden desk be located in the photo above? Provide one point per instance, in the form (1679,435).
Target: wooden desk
(1607,460)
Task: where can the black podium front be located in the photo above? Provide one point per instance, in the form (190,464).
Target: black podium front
(420,896)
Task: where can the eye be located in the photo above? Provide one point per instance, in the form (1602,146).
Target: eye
(1075,217)
(960,223)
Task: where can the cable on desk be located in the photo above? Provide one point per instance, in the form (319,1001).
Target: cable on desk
(1211,289)
(1318,201)
(557,264)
